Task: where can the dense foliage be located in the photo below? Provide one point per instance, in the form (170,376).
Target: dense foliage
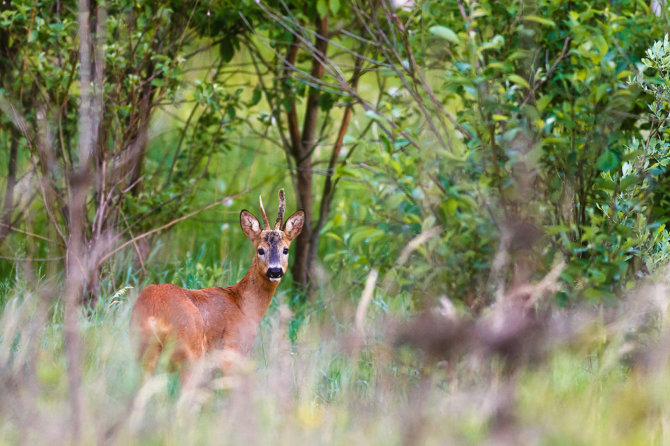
(513,128)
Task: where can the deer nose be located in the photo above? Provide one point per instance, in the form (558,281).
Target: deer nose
(274,273)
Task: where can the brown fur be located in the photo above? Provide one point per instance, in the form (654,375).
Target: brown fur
(212,319)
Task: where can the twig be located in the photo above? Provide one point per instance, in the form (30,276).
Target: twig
(167,225)
(553,67)
(366,297)
(31,234)
(416,242)
(31,259)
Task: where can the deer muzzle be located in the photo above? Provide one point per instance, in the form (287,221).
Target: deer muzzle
(274,273)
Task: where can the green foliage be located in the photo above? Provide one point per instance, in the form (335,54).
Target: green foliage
(140,63)
(564,126)
(537,125)
(548,134)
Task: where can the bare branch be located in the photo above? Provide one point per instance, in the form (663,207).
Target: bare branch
(167,225)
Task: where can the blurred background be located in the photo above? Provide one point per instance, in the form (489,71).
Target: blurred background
(485,256)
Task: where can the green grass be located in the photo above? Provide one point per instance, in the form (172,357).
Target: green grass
(322,389)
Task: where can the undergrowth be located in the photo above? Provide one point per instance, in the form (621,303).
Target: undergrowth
(327,387)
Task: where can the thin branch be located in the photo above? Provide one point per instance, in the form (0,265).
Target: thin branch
(170,224)
(28,233)
(553,67)
(31,259)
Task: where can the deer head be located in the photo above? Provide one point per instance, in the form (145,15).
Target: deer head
(271,244)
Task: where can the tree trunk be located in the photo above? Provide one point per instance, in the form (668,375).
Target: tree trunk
(302,266)
(8,203)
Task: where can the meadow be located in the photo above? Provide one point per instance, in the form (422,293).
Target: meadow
(601,378)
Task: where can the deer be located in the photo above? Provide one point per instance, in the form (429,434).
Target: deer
(196,322)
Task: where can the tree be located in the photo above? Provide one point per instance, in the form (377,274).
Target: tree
(290,46)
(130,66)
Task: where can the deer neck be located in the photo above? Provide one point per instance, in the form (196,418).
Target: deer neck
(255,292)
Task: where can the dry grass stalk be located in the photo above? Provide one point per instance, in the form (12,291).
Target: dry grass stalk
(364,302)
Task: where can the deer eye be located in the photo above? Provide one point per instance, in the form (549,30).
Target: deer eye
(261,251)
(285,250)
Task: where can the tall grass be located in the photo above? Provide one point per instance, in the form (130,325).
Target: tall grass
(606,384)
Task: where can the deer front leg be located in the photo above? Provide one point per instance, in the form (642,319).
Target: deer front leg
(232,360)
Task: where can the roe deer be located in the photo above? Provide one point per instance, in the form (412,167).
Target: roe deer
(213,319)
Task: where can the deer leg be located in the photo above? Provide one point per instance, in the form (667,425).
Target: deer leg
(189,349)
(149,353)
(231,359)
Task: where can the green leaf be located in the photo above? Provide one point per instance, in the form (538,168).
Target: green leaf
(606,184)
(255,99)
(326,101)
(519,80)
(607,161)
(540,20)
(628,181)
(322,7)
(450,206)
(556,229)
(227,49)
(601,44)
(333,236)
(444,33)
(495,44)
(601,91)
(542,103)
(592,293)
(334,6)
(363,234)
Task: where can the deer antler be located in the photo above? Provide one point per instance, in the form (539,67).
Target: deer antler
(265,217)
(282,208)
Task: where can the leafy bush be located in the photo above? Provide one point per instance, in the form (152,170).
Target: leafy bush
(549,140)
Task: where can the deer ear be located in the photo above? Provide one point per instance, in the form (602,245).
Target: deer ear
(293,225)
(250,225)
